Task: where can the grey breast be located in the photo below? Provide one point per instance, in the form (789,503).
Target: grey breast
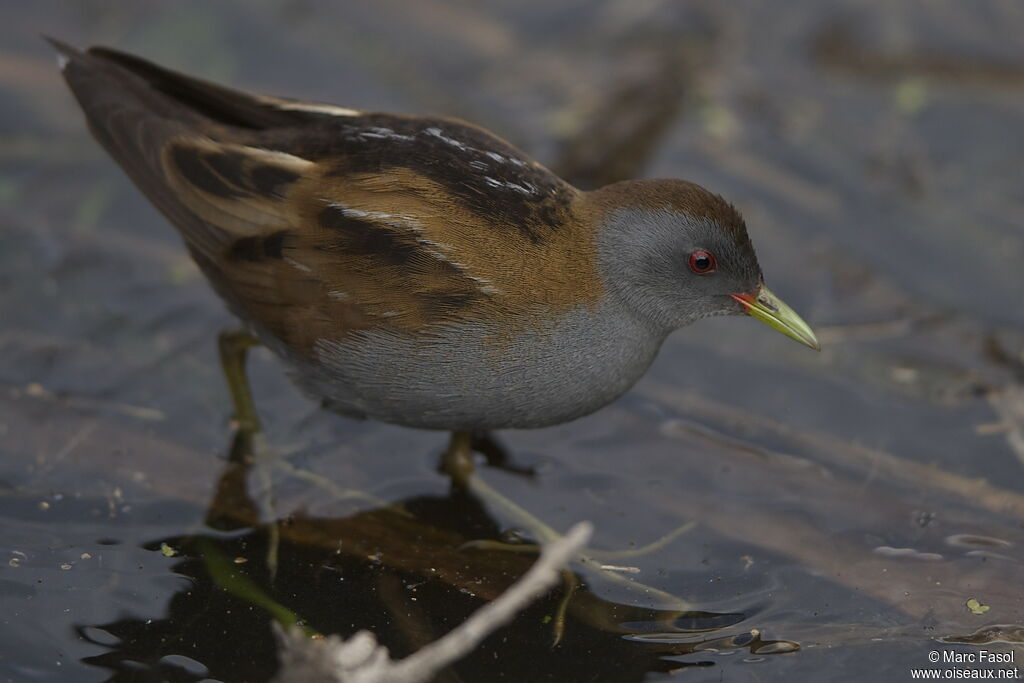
(454,378)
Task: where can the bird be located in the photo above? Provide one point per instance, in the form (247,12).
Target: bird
(418,270)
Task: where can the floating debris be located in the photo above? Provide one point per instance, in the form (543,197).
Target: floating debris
(889,551)
(976,607)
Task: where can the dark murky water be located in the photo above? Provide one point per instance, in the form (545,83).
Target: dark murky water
(840,508)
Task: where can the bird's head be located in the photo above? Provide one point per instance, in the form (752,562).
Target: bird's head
(671,252)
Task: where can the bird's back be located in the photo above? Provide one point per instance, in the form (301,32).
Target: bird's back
(315,222)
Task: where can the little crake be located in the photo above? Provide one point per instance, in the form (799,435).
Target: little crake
(419,270)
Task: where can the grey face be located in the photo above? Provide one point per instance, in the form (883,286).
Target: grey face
(655,262)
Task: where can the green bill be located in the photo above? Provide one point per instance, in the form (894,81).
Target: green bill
(773,312)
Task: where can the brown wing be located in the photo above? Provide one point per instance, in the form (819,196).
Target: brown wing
(315,222)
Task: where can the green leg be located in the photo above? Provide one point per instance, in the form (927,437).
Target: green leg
(234,346)
(248,445)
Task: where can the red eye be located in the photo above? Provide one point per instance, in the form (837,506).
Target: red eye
(702,262)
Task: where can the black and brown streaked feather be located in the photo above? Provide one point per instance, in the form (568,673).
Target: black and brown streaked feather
(315,222)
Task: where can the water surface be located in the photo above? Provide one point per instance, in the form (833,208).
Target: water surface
(840,508)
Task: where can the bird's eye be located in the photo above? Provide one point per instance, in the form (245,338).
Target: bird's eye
(702,262)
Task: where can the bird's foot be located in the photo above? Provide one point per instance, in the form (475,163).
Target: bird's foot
(497,455)
(457,460)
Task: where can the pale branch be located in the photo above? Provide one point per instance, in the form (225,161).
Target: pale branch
(361,659)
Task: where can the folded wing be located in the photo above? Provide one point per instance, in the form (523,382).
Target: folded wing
(315,222)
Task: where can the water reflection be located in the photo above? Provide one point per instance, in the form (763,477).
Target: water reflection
(409,572)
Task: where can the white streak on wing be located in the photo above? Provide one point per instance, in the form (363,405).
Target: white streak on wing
(355,213)
(328,109)
(299,266)
(62,61)
(524,188)
(401,222)
(339,295)
(485,285)
(478,165)
(261,153)
(504,159)
(436,132)
(291,159)
(438,250)
(395,220)
(382,134)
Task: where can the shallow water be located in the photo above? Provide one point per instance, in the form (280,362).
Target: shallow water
(840,509)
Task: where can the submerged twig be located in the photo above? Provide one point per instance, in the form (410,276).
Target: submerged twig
(361,659)
(592,559)
(338,493)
